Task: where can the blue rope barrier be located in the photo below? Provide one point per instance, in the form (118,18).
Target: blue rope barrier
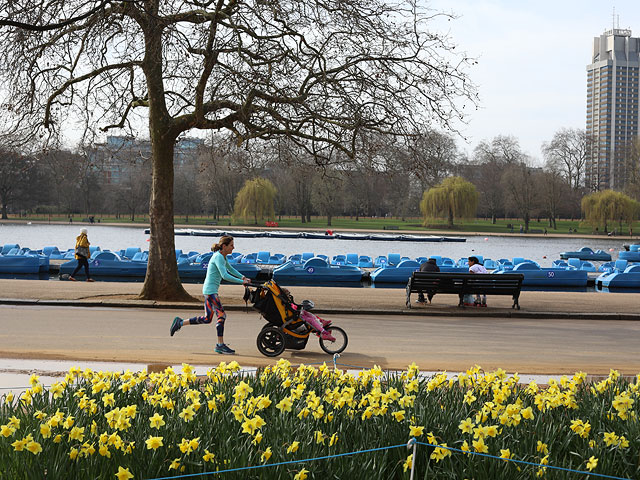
(253,467)
(524,462)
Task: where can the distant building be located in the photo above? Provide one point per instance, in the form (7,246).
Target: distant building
(612,107)
(120,155)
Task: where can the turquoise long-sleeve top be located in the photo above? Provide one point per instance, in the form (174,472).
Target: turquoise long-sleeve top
(219,269)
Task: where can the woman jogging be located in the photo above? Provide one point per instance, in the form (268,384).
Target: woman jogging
(218,270)
(82,255)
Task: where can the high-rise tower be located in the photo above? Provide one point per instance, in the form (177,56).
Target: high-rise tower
(612,107)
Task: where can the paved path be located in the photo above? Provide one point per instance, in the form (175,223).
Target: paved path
(435,343)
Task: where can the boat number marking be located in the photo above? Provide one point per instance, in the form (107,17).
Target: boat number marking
(205,266)
(310,270)
(551,274)
(95,262)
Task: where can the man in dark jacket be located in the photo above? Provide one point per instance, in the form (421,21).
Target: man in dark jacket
(428,266)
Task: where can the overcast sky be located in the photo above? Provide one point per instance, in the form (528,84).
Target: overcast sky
(532,57)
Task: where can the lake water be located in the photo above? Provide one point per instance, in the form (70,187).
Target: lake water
(539,249)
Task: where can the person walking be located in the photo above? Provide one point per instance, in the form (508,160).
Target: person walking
(218,269)
(476,267)
(428,266)
(82,255)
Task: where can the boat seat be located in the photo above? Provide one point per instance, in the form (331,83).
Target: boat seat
(339,260)
(8,247)
(621,265)
(263,257)
(517,260)
(306,256)
(574,262)
(352,259)
(393,258)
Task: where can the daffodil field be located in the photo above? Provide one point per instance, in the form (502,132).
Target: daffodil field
(123,425)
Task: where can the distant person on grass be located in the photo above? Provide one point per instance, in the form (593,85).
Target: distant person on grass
(476,267)
(82,255)
(428,266)
(219,269)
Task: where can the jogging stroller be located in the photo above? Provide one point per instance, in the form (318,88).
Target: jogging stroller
(286,327)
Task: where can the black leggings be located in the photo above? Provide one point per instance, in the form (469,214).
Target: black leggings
(82,262)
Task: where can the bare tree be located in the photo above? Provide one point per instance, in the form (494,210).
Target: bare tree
(316,72)
(491,160)
(433,156)
(567,151)
(520,186)
(16,171)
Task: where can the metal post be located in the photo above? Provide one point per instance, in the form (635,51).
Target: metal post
(336,356)
(413,443)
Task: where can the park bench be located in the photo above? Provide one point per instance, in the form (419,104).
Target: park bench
(390,227)
(211,222)
(466,284)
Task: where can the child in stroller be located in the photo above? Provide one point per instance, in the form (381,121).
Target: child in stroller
(290,324)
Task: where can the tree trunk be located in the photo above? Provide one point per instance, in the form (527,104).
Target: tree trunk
(4,211)
(329,219)
(450,217)
(162,281)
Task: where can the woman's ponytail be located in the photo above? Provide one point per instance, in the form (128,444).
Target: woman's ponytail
(224,240)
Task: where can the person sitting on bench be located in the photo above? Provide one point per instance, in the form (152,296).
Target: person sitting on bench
(428,266)
(476,267)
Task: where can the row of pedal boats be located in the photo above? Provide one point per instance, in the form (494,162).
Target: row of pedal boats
(316,235)
(309,268)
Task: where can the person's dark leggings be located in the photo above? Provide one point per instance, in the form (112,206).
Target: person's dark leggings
(82,263)
(212,306)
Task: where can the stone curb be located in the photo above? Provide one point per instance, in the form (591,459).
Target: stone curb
(507,313)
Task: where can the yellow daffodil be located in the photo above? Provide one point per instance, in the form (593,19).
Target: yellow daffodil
(257,438)
(301,475)
(480,446)
(399,415)
(293,447)
(284,405)
(208,456)
(542,447)
(266,455)
(153,442)
(415,431)
(7,430)
(175,464)
(333,440)
(77,433)
(407,463)
(466,425)
(592,463)
(34,447)
(123,474)
(505,453)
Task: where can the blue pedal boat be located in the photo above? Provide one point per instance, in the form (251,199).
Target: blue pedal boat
(629,278)
(399,273)
(107,264)
(586,253)
(534,275)
(21,263)
(196,268)
(316,270)
(631,255)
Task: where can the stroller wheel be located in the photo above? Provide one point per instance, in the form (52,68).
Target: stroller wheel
(339,345)
(270,342)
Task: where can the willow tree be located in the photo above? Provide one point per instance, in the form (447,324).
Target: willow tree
(255,199)
(606,206)
(453,198)
(315,72)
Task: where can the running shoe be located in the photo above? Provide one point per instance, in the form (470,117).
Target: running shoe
(224,349)
(176,325)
